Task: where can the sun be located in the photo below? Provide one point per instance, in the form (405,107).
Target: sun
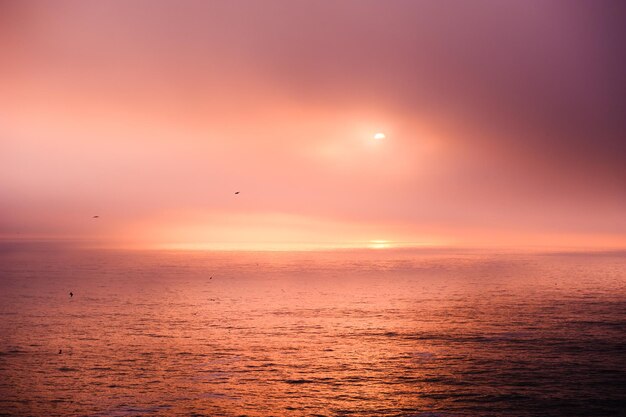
(379,136)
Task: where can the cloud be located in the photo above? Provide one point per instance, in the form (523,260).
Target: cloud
(499,115)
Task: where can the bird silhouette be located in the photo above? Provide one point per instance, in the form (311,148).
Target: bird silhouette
(95,217)
(71,294)
(60,351)
(236,192)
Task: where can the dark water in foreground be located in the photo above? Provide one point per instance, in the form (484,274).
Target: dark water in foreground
(336,334)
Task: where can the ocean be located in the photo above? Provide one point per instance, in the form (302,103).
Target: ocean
(428,333)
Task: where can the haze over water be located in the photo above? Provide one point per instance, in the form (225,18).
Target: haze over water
(387,333)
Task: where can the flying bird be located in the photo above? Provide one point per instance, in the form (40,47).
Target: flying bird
(95,217)
(236,192)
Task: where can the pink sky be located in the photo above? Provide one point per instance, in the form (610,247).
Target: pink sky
(502,122)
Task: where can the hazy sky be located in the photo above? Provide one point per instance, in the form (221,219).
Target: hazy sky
(504,120)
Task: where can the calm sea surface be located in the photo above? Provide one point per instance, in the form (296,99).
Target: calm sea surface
(375,333)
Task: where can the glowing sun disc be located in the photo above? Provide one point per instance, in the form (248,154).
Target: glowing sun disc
(379,136)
